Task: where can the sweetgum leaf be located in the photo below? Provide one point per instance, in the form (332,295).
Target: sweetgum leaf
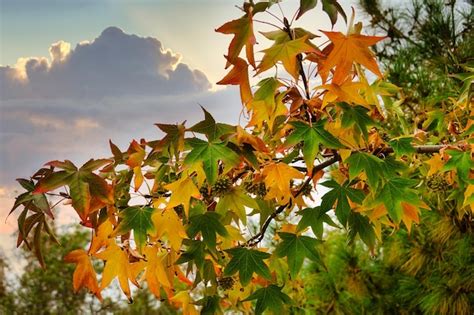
(296,249)
(269,297)
(246,262)
(139,220)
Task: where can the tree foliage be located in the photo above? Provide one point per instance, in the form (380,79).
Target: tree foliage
(319,114)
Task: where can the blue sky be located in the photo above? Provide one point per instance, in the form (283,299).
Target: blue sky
(80,82)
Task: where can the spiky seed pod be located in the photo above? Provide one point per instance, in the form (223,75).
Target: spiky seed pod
(437,183)
(221,187)
(226,283)
(306,189)
(258,189)
(204,191)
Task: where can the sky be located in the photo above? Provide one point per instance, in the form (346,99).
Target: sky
(76,73)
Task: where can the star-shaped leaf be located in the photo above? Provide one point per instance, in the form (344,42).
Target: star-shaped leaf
(277,177)
(243,36)
(357,117)
(312,137)
(342,194)
(269,297)
(402,146)
(210,128)
(315,218)
(139,220)
(182,191)
(239,75)
(367,163)
(460,161)
(286,53)
(236,200)
(296,249)
(246,262)
(346,51)
(209,153)
(117,265)
(84,274)
(168,223)
(208,225)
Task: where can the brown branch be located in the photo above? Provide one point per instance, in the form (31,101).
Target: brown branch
(299,57)
(257,238)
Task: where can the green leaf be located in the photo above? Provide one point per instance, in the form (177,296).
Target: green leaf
(296,248)
(315,218)
(269,297)
(359,224)
(312,137)
(402,146)
(53,181)
(332,8)
(341,195)
(246,262)
(195,252)
(395,191)
(210,128)
(208,225)
(461,162)
(368,163)
(236,200)
(305,6)
(356,116)
(139,220)
(209,153)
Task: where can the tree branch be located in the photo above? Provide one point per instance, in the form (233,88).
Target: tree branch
(257,238)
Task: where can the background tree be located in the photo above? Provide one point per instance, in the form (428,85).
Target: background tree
(318,118)
(429,270)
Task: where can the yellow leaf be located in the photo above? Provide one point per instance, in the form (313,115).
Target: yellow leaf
(100,238)
(348,92)
(346,51)
(138,180)
(117,265)
(84,274)
(277,177)
(286,52)
(184,300)
(436,163)
(168,223)
(156,274)
(181,192)
(233,237)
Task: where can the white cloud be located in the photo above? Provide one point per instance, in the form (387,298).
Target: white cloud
(114,64)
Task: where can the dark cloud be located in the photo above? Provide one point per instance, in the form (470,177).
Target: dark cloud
(114,64)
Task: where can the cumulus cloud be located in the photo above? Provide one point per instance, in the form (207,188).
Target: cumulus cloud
(114,64)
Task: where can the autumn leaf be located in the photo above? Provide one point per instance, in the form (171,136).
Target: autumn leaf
(277,177)
(239,75)
(436,163)
(247,262)
(346,51)
(182,191)
(168,223)
(184,300)
(84,274)
(348,92)
(117,265)
(209,154)
(369,164)
(312,136)
(286,53)
(296,248)
(236,200)
(156,274)
(208,225)
(242,29)
(138,219)
(101,236)
(269,297)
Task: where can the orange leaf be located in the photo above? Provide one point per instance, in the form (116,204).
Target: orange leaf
(239,75)
(84,274)
(346,51)
(277,177)
(243,36)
